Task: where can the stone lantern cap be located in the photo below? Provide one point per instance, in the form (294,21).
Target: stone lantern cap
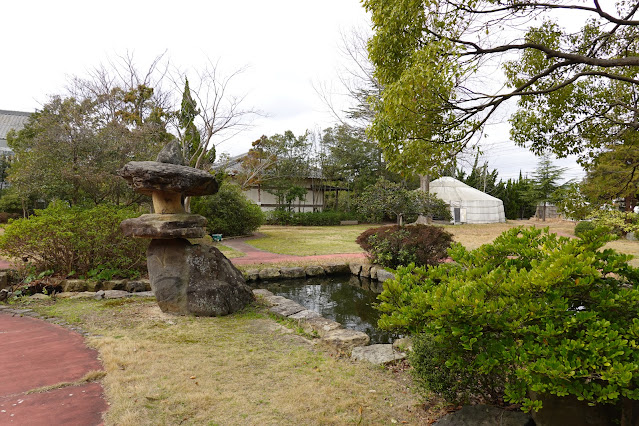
(147,177)
(165,226)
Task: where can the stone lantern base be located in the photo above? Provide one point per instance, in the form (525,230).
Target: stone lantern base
(192,279)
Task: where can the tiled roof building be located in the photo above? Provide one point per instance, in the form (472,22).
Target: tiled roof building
(10,120)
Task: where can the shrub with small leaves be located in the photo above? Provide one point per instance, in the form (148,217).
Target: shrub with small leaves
(393,246)
(583,227)
(529,312)
(75,240)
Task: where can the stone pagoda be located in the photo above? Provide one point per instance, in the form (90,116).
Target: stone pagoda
(186,278)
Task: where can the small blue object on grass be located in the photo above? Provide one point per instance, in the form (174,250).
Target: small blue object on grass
(216,237)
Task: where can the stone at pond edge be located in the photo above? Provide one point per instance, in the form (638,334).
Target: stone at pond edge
(267,273)
(383,275)
(296,272)
(355,268)
(195,279)
(345,339)
(377,354)
(337,268)
(365,271)
(314,271)
(486,415)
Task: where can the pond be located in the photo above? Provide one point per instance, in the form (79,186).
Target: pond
(346,299)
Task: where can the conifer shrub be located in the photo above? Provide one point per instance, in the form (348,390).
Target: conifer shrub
(77,241)
(393,246)
(531,312)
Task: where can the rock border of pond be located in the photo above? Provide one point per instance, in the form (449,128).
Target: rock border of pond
(362,270)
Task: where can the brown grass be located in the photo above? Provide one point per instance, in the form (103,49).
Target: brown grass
(242,369)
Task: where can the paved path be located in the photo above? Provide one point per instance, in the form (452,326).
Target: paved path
(34,354)
(257,256)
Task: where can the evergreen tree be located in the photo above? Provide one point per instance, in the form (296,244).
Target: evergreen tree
(190,136)
(545,183)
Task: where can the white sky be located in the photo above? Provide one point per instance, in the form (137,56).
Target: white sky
(288,45)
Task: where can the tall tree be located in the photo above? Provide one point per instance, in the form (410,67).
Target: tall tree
(188,132)
(576,89)
(545,183)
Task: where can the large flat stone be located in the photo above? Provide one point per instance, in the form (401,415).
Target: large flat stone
(320,325)
(337,268)
(377,354)
(165,226)
(287,308)
(383,275)
(304,315)
(314,271)
(269,273)
(296,272)
(345,340)
(147,177)
(195,279)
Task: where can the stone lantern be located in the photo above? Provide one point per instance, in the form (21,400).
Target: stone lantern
(186,278)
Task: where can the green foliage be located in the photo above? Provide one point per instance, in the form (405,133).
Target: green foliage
(324,218)
(189,135)
(72,148)
(394,246)
(618,222)
(584,226)
(572,202)
(228,211)
(66,239)
(529,312)
(389,199)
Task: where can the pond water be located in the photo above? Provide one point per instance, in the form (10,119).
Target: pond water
(346,299)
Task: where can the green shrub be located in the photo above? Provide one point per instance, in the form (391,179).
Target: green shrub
(393,246)
(73,240)
(324,218)
(229,212)
(584,226)
(529,312)
(618,222)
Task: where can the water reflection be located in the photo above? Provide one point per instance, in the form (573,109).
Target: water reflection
(346,299)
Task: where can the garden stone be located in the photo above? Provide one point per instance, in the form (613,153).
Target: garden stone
(273,300)
(138,286)
(320,325)
(366,271)
(116,294)
(195,279)
(171,154)
(262,292)
(631,236)
(4,294)
(337,268)
(98,295)
(304,315)
(377,354)
(344,340)
(114,285)
(292,272)
(80,295)
(269,273)
(39,296)
(287,308)
(71,286)
(373,272)
(142,294)
(355,268)
(404,344)
(252,275)
(486,415)
(314,271)
(383,275)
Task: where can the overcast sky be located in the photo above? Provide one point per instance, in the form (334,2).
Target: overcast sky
(288,47)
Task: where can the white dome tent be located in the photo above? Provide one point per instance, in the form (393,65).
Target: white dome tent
(467,204)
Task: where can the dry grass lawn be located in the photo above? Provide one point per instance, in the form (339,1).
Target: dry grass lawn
(310,240)
(244,369)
